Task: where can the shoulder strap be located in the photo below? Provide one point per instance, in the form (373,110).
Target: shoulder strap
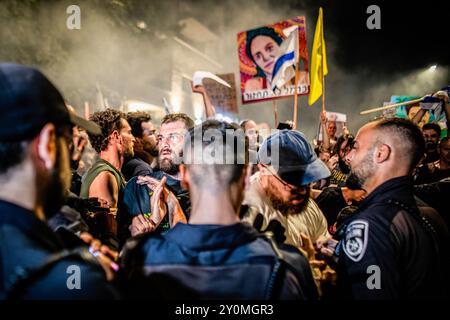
(26,277)
(415,213)
(274,283)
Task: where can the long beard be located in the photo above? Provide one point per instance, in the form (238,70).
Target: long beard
(288,209)
(171,166)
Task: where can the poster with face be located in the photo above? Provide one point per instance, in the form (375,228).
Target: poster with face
(259,50)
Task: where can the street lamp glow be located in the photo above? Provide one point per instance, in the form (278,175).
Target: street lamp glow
(432,68)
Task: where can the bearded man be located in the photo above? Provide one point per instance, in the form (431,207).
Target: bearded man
(279,194)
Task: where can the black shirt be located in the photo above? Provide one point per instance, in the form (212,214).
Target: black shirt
(136,167)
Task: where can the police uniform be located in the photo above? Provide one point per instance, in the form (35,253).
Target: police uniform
(388,251)
(27,245)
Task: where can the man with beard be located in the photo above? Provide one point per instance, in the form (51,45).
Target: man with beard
(388,250)
(279,194)
(104,179)
(145,148)
(138,191)
(215,256)
(431,134)
(438,170)
(35,132)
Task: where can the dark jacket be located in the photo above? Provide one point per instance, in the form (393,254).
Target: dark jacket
(214,262)
(26,243)
(136,167)
(388,250)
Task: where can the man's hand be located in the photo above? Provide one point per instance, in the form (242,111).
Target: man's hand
(307,246)
(141,224)
(173,205)
(326,246)
(323,118)
(332,163)
(104,254)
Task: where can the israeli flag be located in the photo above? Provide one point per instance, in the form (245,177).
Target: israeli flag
(433,105)
(284,69)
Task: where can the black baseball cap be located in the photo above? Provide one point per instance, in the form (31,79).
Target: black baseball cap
(28,101)
(293,158)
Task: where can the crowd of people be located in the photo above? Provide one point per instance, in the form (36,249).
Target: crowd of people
(121,207)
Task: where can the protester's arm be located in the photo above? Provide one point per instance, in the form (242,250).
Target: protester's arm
(444,96)
(326,139)
(210,111)
(418,116)
(105,187)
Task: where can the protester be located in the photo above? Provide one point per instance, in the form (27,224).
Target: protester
(104,179)
(251,130)
(341,170)
(279,194)
(432,134)
(387,235)
(438,170)
(328,131)
(145,146)
(333,199)
(137,195)
(34,175)
(215,256)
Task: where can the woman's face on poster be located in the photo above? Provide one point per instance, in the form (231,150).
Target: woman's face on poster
(265,52)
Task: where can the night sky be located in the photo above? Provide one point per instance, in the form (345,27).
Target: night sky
(413,34)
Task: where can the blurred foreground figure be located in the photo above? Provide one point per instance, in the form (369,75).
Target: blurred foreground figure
(35,132)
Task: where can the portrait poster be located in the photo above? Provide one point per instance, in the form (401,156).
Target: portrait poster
(259,50)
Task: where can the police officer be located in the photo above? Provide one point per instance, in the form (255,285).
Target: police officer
(35,130)
(388,250)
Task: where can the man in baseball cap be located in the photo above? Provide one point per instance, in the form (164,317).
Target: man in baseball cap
(279,194)
(35,133)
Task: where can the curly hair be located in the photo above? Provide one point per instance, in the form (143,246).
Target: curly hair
(172,117)
(135,119)
(108,120)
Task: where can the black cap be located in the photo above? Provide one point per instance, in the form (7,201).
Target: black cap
(28,101)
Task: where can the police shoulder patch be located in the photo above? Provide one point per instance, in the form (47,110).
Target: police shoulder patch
(355,240)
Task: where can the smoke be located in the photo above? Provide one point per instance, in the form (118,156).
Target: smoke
(127,48)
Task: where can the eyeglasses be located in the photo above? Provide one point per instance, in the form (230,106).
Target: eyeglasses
(172,137)
(286,185)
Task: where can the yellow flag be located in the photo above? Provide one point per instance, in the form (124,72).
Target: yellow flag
(318,62)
